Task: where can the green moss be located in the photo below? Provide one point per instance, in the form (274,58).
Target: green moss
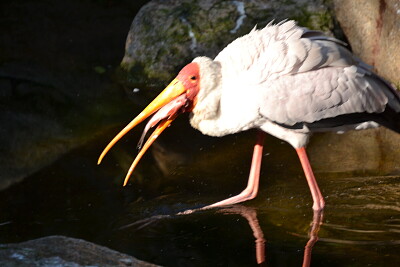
(99,69)
(132,72)
(186,9)
(314,20)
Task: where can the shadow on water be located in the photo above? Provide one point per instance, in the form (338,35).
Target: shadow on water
(77,198)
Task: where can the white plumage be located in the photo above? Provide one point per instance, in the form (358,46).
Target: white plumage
(287,75)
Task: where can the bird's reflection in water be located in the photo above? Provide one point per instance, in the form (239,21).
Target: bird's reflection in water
(250,214)
(313,235)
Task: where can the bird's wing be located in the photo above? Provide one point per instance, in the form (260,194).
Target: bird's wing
(324,93)
(300,75)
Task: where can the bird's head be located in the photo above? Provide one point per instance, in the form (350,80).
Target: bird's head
(181,95)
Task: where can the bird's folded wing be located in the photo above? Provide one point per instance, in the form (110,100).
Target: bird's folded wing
(323,93)
(300,75)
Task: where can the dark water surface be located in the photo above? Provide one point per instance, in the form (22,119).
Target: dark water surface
(76,198)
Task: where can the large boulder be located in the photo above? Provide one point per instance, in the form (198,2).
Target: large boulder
(165,35)
(368,152)
(373,32)
(56,87)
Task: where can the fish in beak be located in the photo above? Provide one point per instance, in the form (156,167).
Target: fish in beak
(168,105)
(178,97)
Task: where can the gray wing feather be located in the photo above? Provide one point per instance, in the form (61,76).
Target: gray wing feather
(318,35)
(302,75)
(324,93)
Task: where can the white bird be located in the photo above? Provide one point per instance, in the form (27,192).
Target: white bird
(284,80)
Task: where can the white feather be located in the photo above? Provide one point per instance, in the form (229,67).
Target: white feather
(283,76)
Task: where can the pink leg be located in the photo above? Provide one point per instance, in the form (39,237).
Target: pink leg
(251,190)
(319,202)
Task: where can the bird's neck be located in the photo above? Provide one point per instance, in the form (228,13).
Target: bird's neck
(206,114)
(219,107)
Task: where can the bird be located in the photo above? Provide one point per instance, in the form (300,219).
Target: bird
(284,80)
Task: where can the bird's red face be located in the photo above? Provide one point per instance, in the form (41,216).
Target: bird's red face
(178,97)
(189,76)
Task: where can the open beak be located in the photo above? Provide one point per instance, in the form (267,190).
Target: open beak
(176,106)
(173,90)
(160,128)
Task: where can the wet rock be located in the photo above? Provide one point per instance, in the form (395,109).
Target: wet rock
(374,35)
(373,32)
(372,151)
(63,251)
(166,35)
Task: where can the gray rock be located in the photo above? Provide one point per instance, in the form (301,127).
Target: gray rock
(165,35)
(373,32)
(372,151)
(53,98)
(64,251)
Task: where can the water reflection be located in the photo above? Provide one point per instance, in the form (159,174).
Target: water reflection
(361,224)
(361,221)
(315,226)
(250,214)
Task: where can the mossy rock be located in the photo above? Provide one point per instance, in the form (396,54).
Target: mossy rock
(166,35)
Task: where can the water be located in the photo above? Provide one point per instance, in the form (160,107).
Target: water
(75,197)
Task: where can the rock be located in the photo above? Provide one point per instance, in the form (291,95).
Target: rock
(52,96)
(166,35)
(374,35)
(373,32)
(368,152)
(64,251)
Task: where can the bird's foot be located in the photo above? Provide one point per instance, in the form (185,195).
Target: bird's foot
(186,212)
(243,196)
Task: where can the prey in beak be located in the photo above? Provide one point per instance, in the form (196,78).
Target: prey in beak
(177,97)
(166,115)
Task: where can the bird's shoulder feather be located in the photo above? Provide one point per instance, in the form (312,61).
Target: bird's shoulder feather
(282,49)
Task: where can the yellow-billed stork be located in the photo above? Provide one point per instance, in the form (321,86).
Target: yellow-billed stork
(284,80)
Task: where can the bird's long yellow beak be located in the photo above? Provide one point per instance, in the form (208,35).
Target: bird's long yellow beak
(174,89)
(161,127)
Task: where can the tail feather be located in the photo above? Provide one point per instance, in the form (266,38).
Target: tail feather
(391,115)
(390,119)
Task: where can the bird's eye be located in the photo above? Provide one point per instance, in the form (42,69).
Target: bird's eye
(193,78)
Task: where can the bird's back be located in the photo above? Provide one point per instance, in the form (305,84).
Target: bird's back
(303,77)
